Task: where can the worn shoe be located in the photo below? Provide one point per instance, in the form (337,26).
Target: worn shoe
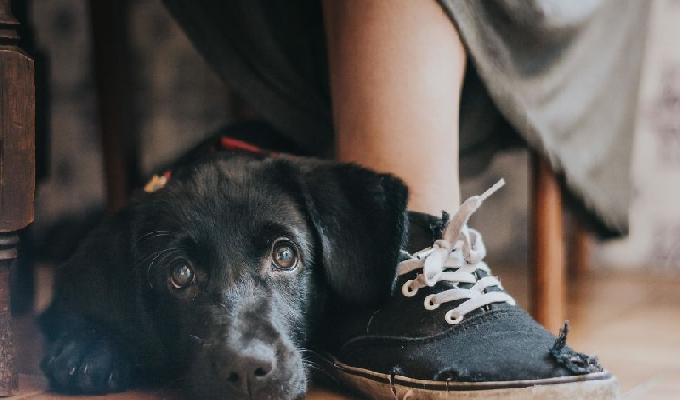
(450,331)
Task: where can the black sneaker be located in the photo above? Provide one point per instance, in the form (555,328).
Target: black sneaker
(450,331)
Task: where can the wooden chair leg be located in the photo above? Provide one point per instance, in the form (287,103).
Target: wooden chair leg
(23,277)
(548,278)
(579,250)
(17,173)
(115,100)
(8,257)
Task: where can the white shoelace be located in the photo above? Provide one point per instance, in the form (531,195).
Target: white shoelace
(455,258)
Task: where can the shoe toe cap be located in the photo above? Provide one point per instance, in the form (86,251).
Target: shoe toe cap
(501,345)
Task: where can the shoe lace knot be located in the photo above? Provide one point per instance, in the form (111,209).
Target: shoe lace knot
(457,258)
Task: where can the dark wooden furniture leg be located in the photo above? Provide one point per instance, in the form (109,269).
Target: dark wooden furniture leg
(549,277)
(115,100)
(17,173)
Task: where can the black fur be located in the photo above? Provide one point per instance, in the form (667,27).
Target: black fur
(116,321)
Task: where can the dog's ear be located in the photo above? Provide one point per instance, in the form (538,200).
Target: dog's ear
(360,218)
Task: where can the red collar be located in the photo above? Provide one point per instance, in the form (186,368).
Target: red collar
(230,143)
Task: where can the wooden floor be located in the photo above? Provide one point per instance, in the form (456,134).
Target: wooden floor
(630,320)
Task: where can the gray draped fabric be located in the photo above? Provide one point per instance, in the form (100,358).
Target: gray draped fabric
(564,74)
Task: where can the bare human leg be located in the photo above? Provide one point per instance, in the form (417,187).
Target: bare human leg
(396,71)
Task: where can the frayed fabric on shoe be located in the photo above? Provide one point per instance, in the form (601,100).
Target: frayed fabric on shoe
(577,363)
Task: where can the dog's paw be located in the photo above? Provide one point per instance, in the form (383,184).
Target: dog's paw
(86,365)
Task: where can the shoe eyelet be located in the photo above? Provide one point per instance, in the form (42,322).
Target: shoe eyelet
(407,290)
(429,304)
(453,317)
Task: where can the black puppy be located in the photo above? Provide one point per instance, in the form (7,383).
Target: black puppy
(220,278)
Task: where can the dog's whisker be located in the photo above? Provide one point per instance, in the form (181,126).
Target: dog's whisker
(153,255)
(151,234)
(308,362)
(313,369)
(156,256)
(312,365)
(159,253)
(306,353)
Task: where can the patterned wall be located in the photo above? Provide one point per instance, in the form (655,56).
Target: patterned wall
(62,33)
(654,241)
(180,99)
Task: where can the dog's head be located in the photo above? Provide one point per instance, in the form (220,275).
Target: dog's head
(239,254)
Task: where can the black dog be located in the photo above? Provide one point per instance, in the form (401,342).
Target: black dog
(219,279)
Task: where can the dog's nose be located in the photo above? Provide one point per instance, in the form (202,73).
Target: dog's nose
(248,369)
(252,367)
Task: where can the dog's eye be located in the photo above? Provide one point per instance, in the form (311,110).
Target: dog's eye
(182,275)
(284,255)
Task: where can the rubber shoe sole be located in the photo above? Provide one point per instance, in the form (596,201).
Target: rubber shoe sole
(375,385)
